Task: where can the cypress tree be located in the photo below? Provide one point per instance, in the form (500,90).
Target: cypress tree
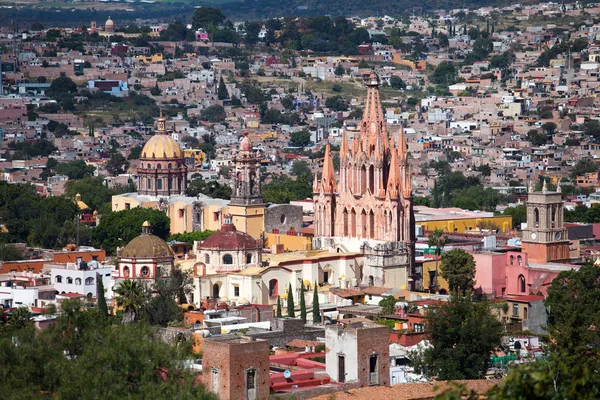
(278,307)
(302,304)
(290,303)
(316,309)
(101,299)
(222,92)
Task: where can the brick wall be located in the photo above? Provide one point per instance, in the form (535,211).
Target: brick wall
(373,341)
(226,362)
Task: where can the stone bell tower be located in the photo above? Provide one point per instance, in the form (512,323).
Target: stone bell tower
(247,207)
(545,239)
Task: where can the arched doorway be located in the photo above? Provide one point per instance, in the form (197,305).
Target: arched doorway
(215,291)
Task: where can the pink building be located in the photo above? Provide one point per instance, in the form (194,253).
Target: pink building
(532,270)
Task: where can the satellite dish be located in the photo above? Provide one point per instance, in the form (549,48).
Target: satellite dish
(287,374)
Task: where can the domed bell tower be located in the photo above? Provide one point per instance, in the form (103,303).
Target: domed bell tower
(247,207)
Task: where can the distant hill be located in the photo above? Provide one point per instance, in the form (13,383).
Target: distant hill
(61,15)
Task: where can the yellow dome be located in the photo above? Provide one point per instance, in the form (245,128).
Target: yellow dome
(161,146)
(109,22)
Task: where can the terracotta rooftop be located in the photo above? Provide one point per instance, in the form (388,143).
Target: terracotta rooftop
(410,391)
(375,290)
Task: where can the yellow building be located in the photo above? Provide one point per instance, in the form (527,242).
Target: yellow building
(289,242)
(461,221)
(429,274)
(196,154)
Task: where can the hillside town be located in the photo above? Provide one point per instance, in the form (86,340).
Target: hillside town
(383,207)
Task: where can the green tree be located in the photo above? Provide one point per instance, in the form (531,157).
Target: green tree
(437,240)
(155,91)
(584,166)
(62,85)
(117,164)
(93,191)
(9,253)
(214,113)
(129,296)
(573,315)
(102,306)
(205,17)
(116,229)
(302,304)
(300,138)
(518,214)
(388,305)
(278,314)
(301,167)
(316,312)
(536,138)
(397,83)
(191,237)
(20,317)
(549,127)
(339,70)
(222,92)
(458,268)
(444,74)
(77,169)
(282,189)
(463,333)
(291,308)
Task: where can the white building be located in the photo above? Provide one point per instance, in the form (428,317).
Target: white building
(69,278)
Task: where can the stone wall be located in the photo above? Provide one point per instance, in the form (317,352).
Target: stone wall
(283,217)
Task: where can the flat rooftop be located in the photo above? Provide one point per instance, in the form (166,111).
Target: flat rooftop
(423,213)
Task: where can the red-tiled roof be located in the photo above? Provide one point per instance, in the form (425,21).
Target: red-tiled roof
(346,292)
(228,238)
(375,290)
(410,391)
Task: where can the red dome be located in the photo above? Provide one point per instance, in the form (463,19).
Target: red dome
(229,238)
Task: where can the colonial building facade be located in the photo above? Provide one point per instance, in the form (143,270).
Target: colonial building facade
(370,209)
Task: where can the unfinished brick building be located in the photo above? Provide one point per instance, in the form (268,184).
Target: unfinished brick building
(236,368)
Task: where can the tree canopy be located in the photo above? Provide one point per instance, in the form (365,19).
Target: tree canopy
(458,268)
(85,356)
(463,333)
(116,229)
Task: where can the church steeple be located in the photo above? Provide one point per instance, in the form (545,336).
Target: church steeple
(328,178)
(247,207)
(247,187)
(374,185)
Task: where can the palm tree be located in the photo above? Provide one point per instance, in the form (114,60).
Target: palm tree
(437,240)
(130,295)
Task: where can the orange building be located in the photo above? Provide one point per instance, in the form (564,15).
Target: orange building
(52,257)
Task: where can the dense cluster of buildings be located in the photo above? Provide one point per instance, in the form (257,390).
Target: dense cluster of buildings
(362,237)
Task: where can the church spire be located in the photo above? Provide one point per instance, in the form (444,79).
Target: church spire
(344,145)
(373,124)
(402,146)
(328,178)
(393,186)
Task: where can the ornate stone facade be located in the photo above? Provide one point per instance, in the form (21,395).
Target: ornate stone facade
(162,170)
(370,208)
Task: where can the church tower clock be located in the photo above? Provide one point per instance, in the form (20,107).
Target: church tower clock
(545,239)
